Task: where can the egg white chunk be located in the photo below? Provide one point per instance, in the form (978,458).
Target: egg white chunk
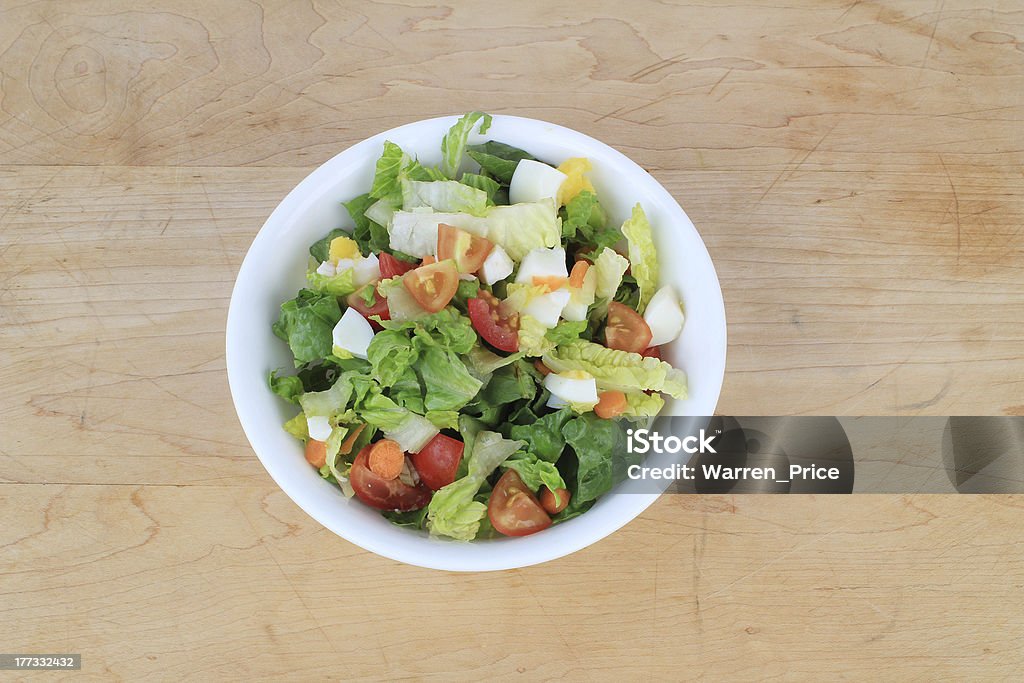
(542,262)
(327,268)
(366,270)
(533,181)
(664,315)
(353,333)
(581,298)
(497,266)
(547,308)
(579,390)
(319,427)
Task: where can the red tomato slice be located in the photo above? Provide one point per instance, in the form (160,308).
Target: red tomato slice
(652,352)
(379,308)
(392,267)
(513,509)
(433,285)
(439,460)
(500,332)
(467,250)
(626,330)
(384,494)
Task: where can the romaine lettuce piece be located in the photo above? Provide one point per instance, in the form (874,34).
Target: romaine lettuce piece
(443,196)
(339,284)
(609,267)
(618,370)
(643,257)
(535,472)
(306,323)
(453,144)
(498,159)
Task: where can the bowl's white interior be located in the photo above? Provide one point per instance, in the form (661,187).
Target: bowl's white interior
(274,270)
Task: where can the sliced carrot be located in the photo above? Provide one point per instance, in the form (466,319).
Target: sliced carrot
(552,282)
(610,404)
(350,440)
(386,459)
(316,453)
(428,259)
(541,368)
(579,271)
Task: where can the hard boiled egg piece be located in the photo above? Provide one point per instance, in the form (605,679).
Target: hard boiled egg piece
(497,266)
(580,298)
(542,263)
(547,308)
(327,268)
(366,270)
(664,315)
(533,181)
(319,427)
(353,333)
(343,248)
(572,387)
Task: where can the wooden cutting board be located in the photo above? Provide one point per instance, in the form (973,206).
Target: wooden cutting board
(854,168)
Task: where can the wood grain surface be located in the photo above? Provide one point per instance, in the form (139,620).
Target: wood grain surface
(854,167)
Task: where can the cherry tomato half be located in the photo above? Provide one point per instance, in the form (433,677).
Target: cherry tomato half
(467,250)
(554,502)
(513,509)
(392,267)
(652,352)
(438,462)
(434,285)
(500,332)
(626,330)
(384,494)
(379,308)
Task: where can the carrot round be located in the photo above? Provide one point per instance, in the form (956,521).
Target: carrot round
(386,459)
(610,404)
(316,453)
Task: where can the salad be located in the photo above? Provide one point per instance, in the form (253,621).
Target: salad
(469,355)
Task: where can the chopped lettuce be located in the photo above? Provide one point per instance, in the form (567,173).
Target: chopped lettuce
(453,511)
(544,436)
(595,442)
(533,337)
(453,144)
(609,267)
(643,405)
(643,257)
(320,250)
(618,370)
(306,323)
(386,183)
(498,159)
(443,196)
(535,472)
(298,427)
(490,186)
(340,284)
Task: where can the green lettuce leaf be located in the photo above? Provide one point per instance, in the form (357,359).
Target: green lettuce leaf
(340,284)
(298,428)
(447,382)
(566,331)
(443,196)
(411,431)
(618,370)
(391,353)
(451,330)
(609,267)
(453,144)
(289,388)
(453,511)
(535,472)
(306,323)
(643,257)
(544,437)
(509,384)
(533,339)
(595,442)
(386,184)
(498,159)
(643,405)
(489,185)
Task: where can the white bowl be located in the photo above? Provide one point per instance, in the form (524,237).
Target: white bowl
(274,270)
